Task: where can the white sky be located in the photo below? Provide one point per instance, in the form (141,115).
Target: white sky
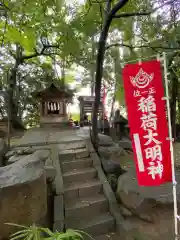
(74,108)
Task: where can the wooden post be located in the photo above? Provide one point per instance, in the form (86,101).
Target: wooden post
(82,113)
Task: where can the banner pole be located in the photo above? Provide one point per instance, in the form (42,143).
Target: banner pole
(103,106)
(171,148)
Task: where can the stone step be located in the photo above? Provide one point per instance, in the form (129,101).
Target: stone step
(79,175)
(72,154)
(86,206)
(94,226)
(82,189)
(71,146)
(76,164)
(63,125)
(108,236)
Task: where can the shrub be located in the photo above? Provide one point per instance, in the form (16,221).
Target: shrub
(38,233)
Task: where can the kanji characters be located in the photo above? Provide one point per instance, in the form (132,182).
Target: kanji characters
(151,138)
(152,90)
(154,153)
(149,121)
(147,105)
(155,170)
(137,93)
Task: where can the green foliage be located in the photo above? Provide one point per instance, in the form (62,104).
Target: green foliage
(75,116)
(38,233)
(74,30)
(150,31)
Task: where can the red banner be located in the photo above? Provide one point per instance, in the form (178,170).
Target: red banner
(148,124)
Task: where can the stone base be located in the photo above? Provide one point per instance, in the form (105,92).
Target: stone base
(61,125)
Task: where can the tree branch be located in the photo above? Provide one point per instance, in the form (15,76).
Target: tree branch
(89,8)
(36,53)
(117,7)
(125,15)
(145,40)
(3,5)
(143,46)
(101,9)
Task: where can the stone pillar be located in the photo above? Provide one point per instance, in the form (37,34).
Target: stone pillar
(40,108)
(64,109)
(81,114)
(45,108)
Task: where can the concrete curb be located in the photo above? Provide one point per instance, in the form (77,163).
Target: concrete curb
(59,217)
(122,226)
(44,143)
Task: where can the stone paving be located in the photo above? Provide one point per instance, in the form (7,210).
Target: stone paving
(43,136)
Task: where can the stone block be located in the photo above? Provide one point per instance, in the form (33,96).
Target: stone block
(50,173)
(81,153)
(23,193)
(96,160)
(14,159)
(78,164)
(43,154)
(97,225)
(59,208)
(90,190)
(58,226)
(143,200)
(3,150)
(113,153)
(105,140)
(81,175)
(66,155)
(71,194)
(125,144)
(88,206)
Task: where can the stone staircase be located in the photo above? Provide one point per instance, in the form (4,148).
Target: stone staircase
(86,207)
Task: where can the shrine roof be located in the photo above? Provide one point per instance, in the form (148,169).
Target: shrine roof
(53,91)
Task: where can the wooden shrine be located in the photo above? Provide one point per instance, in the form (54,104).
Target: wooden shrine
(86,106)
(53,105)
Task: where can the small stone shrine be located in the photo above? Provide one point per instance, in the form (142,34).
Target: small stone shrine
(86,106)
(53,105)
(120,125)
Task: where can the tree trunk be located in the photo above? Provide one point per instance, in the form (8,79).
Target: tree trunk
(13,105)
(178,111)
(112,107)
(109,14)
(13,108)
(116,68)
(63,72)
(98,79)
(174,93)
(92,66)
(178,99)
